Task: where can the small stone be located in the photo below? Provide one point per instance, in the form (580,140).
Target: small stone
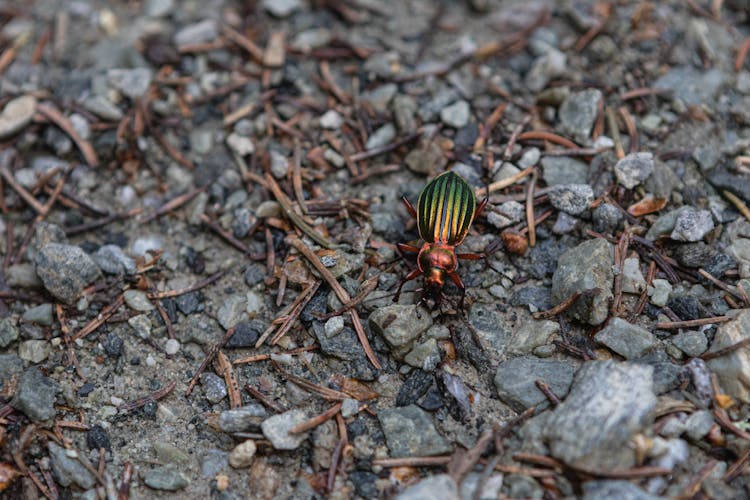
(610,488)
(520,486)
(425,160)
(97,437)
(334,326)
(578,113)
(276,429)
(544,68)
(242,455)
(456,115)
(381,137)
(733,368)
(279,164)
(240,144)
(213,463)
(440,486)
(112,260)
(692,225)
(349,407)
(170,454)
(691,85)
(22,276)
(743,82)
(331,120)
(665,223)
(34,351)
(632,277)
(564,223)
(634,169)
(531,335)
(626,339)
(172,346)
(404,108)
(506,214)
(699,424)
(661,289)
(607,405)
(103,108)
(35,395)
(69,470)
(141,324)
(400,325)
(282,8)
(696,254)
(242,419)
(232,310)
(693,343)
(515,380)
(213,387)
(490,487)
(424,355)
(65,270)
(132,82)
(113,345)
(586,268)
(16,115)
(166,477)
(563,170)
(158,8)
(255,303)
(409,431)
(202,32)
(308,40)
(573,199)
(530,158)
(138,300)
(8,331)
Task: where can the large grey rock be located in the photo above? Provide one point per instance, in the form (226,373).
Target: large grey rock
(608,403)
(276,429)
(634,169)
(515,380)
(626,339)
(35,395)
(68,469)
(544,68)
(489,324)
(692,225)
(578,113)
(586,268)
(409,432)
(733,369)
(564,170)
(691,85)
(438,486)
(65,270)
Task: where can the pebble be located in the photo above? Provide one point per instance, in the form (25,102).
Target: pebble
(240,144)
(607,405)
(564,223)
(610,488)
(531,335)
(563,170)
(520,486)
(696,254)
(404,108)
(381,137)
(732,368)
(246,334)
(578,113)
(68,469)
(213,463)
(112,260)
(34,351)
(113,345)
(409,431)
(202,32)
(659,292)
(141,324)
(282,8)
(334,158)
(699,423)
(490,487)
(16,115)
(349,407)
(166,477)
(664,224)
(214,387)
(514,380)
(22,276)
(456,115)
(276,429)
(626,339)
(691,85)
(158,8)
(506,214)
(242,455)
(243,419)
(97,437)
(189,303)
(425,160)
(331,120)
(535,298)
(132,82)
(279,164)
(103,108)
(138,300)
(692,225)
(8,331)
(308,40)
(438,486)
(414,387)
(65,270)
(573,199)
(232,310)
(172,346)
(634,169)
(632,277)
(424,355)
(583,268)
(35,395)
(334,326)
(490,326)
(530,158)
(400,325)
(544,68)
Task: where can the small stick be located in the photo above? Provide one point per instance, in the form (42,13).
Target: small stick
(236,37)
(547,391)
(544,135)
(96,224)
(739,61)
(559,308)
(673,325)
(376,170)
(615,131)
(571,349)
(165,318)
(154,396)
(297,178)
(632,473)
(737,202)
(508,153)
(229,238)
(127,476)
(725,350)
(643,298)
(53,115)
(721,285)
(723,420)
(263,399)
(103,316)
(370,153)
(325,72)
(489,125)
(630,125)
(503,183)
(233,388)
(737,466)
(248,110)
(182,291)
(335,457)
(321,391)
(72,358)
(342,294)
(173,204)
(531,223)
(643,92)
(316,420)
(22,192)
(692,488)
(290,315)
(209,358)
(367,287)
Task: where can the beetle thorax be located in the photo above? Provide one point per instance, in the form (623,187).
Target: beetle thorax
(435,261)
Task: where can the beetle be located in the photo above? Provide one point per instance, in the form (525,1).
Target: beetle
(445,211)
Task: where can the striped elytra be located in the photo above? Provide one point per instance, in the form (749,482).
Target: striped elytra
(446,209)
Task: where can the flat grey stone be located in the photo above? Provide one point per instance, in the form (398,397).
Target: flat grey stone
(65,270)
(165,477)
(733,369)
(69,470)
(440,486)
(276,429)
(409,431)
(626,339)
(515,380)
(35,395)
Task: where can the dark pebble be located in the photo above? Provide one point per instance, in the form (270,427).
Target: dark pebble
(414,387)
(432,401)
(356,427)
(194,260)
(149,409)
(542,259)
(719,264)
(189,303)
(316,307)
(667,375)
(687,308)
(86,389)
(135,361)
(97,437)
(364,484)
(541,298)
(467,136)
(694,254)
(467,348)
(113,345)
(254,274)
(246,334)
(170,306)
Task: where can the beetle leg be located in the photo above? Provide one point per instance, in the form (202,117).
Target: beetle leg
(471,256)
(481,206)
(409,206)
(407,248)
(460,284)
(412,275)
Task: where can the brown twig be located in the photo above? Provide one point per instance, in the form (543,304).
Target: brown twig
(615,131)
(154,396)
(737,202)
(530,222)
(22,192)
(367,287)
(182,291)
(324,392)
(631,127)
(229,238)
(264,399)
(237,38)
(739,61)
(53,115)
(289,315)
(547,391)
(544,135)
(725,350)
(489,125)
(370,153)
(209,358)
(173,204)
(99,320)
(316,420)
(503,183)
(127,475)
(673,325)
(224,368)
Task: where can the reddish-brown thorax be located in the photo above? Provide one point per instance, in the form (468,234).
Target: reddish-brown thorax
(436,260)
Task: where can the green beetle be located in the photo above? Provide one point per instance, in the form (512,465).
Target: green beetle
(445,211)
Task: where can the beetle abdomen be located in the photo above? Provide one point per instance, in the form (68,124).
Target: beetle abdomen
(446,209)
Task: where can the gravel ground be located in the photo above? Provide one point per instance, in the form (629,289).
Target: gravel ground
(200,206)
